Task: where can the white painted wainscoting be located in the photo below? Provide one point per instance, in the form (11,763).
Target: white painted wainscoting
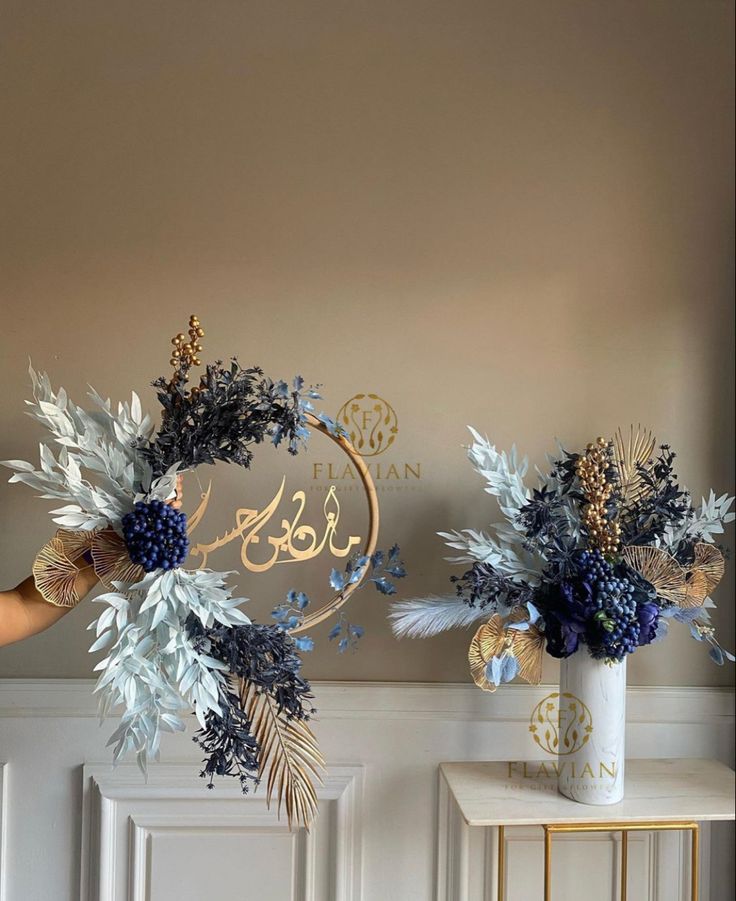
(74,828)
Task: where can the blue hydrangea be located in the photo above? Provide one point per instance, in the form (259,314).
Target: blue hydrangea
(156,536)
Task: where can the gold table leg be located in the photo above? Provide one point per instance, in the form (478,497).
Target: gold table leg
(547,864)
(624,829)
(624,863)
(501,875)
(694,861)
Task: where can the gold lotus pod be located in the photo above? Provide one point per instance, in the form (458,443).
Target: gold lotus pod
(111,560)
(492,638)
(55,575)
(684,586)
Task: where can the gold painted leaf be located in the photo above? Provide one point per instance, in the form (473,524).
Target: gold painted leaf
(703,575)
(528,647)
(492,639)
(630,454)
(660,569)
(55,575)
(288,752)
(686,587)
(75,543)
(487,642)
(111,560)
(709,564)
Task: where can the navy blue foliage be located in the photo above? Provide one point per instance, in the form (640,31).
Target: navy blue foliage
(266,657)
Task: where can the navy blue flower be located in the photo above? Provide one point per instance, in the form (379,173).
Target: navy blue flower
(648,616)
(567,608)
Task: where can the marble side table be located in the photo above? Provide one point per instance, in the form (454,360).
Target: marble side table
(661,795)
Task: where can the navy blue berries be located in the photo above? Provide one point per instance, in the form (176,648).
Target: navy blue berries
(600,606)
(156,536)
(621,619)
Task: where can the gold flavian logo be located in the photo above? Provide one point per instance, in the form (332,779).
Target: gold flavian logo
(561,724)
(370,422)
(293,540)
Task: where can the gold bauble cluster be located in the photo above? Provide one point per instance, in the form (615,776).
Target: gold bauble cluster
(185,353)
(592,468)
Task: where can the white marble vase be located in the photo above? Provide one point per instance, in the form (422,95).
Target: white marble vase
(592,729)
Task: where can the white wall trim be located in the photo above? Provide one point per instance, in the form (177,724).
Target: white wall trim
(380,824)
(118,827)
(655,704)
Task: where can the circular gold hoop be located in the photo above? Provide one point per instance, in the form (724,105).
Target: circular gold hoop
(371,494)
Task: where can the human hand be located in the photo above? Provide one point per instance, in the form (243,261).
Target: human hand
(176,500)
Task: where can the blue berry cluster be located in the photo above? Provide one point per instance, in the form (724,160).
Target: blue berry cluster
(156,536)
(600,605)
(614,630)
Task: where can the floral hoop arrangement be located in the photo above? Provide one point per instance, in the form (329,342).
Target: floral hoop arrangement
(175,639)
(598,559)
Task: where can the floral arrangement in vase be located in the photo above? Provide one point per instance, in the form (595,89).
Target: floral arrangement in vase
(598,558)
(176,640)
(588,566)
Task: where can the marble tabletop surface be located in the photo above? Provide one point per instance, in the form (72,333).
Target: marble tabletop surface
(525,793)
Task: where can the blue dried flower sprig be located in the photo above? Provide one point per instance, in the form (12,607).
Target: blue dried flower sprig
(385,567)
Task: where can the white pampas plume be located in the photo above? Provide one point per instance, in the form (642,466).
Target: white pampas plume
(424,617)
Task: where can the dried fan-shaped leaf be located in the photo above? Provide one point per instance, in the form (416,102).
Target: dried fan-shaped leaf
(492,639)
(631,455)
(289,752)
(684,587)
(488,642)
(111,560)
(709,564)
(528,647)
(660,569)
(55,575)
(75,543)
(703,575)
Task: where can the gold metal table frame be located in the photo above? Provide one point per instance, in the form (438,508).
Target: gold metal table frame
(624,829)
(662,795)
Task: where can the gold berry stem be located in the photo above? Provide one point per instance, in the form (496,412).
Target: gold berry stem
(185,353)
(592,468)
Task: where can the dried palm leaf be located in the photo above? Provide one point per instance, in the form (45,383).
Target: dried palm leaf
(111,560)
(55,575)
(289,752)
(492,639)
(631,456)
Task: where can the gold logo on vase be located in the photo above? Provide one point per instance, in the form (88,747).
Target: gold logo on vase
(370,422)
(561,723)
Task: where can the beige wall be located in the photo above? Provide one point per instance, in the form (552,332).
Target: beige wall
(512,214)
